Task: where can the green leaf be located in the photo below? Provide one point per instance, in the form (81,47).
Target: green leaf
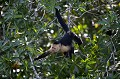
(73,76)
(18,16)
(91,62)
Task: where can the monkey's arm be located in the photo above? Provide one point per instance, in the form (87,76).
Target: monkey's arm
(42,55)
(77,39)
(55,47)
(64,26)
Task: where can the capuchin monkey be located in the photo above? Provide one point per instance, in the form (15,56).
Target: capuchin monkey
(64,45)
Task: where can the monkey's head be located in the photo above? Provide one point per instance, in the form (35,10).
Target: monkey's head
(55,47)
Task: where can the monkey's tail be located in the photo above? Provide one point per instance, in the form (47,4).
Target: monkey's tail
(64,26)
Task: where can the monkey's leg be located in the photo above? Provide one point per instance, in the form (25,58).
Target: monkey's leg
(42,55)
(71,52)
(66,54)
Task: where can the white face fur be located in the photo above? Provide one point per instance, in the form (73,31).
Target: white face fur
(55,48)
(59,47)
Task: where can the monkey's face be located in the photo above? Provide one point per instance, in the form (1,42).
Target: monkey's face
(55,48)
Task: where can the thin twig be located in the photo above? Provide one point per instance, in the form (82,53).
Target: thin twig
(69,8)
(43,16)
(89,11)
(113,51)
(35,72)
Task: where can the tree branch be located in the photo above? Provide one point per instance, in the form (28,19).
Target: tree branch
(35,72)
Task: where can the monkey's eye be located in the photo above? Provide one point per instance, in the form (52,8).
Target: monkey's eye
(53,48)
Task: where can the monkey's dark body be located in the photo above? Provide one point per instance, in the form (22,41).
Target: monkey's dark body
(66,41)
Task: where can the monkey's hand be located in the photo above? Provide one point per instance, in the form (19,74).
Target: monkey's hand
(42,55)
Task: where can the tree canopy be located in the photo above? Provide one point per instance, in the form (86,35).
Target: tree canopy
(28,27)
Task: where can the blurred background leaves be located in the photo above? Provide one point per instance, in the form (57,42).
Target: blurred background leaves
(28,27)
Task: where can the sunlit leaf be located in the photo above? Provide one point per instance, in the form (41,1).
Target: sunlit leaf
(96,25)
(73,76)
(92,62)
(85,26)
